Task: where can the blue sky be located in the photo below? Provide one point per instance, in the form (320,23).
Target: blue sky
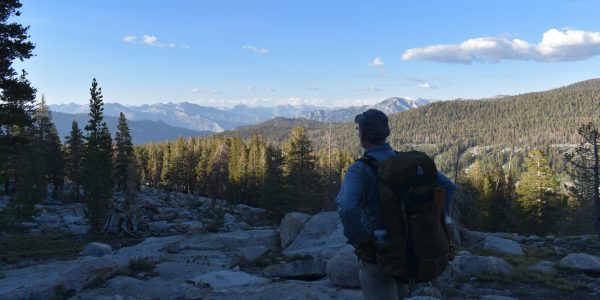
(329,53)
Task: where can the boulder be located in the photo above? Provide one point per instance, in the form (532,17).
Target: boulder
(582,262)
(422,298)
(291,225)
(222,280)
(320,238)
(247,255)
(237,226)
(496,297)
(40,281)
(543,267)
(342,268)
(503,246)
(300,269)
(96,249)
(474,265)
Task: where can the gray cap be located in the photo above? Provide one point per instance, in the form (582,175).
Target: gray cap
(374,124)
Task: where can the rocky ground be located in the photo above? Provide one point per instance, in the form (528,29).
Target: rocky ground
(187,253)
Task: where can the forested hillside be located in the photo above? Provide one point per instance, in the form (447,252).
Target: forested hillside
(540,118)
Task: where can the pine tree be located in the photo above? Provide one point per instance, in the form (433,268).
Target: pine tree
(123,154)
(586,160)
(73,157)
(46,138)
(303,187)
(97,162)
(19,165)
(538,195)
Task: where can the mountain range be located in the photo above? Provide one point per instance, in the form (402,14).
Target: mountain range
(170,120)
(142,131)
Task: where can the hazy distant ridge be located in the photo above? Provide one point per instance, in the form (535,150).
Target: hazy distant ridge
(203,118)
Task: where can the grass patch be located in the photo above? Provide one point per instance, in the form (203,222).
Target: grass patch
(40,246)
(143,264)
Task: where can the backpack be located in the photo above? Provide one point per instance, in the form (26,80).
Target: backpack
(417,246)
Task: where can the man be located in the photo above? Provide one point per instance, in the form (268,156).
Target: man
(360,221)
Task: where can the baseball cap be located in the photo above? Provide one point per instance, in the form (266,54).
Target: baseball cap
(374,124)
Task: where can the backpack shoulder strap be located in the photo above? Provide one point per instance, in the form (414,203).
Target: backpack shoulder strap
(370,161)
(373,164)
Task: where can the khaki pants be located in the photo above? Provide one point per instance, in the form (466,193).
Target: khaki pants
(376,286)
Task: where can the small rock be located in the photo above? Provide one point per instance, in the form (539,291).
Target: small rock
(543,267)
(343,267)
(70,219)
(426,290)
(192,225)
(473,265)
(301,269)
(422,298)
(47,218)
(159,226)
(96,249)
(237,226)
(291,224)
(228,219)
(463,253)
(224,279)
(78,229)
(503,246)
(249,254)
(582,262)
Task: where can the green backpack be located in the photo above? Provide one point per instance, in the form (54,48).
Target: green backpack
(417,246)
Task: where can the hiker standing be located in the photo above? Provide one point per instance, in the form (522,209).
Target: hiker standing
(360,208)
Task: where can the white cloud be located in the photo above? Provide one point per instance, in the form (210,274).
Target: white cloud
(250,88)
(271,90)
(377,62)
(372,89)
(256,49)
(556,45)
(185,46)
(206,91)
(130,39)
(150,40)
(426,85)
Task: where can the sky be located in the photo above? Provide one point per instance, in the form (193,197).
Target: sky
(325,53)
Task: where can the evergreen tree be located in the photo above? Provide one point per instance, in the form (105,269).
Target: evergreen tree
(538,195)
(272,190)
(303,186)
(97,162)
(19,160)
(73,154)
(586,160)
(48,142)
(123,155)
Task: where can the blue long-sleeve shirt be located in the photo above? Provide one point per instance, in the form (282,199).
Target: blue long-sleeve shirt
(360,223)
